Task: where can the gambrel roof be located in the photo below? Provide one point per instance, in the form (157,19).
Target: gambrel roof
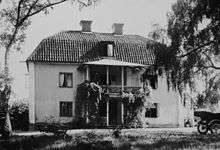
(79,47)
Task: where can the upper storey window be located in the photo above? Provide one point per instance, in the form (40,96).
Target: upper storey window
(110,50)
(107,49)
(65,80)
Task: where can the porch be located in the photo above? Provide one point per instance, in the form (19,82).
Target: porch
(112,76)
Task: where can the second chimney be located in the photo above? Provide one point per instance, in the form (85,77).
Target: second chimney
(86,25)
(117,28)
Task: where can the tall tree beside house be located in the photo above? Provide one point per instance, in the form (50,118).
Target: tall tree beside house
(210,96)
(15,18)
(159,34)
(194,31)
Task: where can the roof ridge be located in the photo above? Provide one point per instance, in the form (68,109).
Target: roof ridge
(108,33)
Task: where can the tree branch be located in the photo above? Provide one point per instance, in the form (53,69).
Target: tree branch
(213,65)
(195,49)
(28,13)
(41,9)
(18,12)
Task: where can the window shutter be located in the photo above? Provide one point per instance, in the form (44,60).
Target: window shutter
(157,109)
(61,79)
(69,80)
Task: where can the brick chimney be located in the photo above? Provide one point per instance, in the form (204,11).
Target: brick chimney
(86,25)
(117,28)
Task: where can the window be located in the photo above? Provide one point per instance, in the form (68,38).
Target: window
(153,81)
(107,48)
(110,50)
(151,76)
(65,80)
(152,112)
(115,75)
(66,109)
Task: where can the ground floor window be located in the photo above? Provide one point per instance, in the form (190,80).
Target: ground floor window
(66,109)
(152,111)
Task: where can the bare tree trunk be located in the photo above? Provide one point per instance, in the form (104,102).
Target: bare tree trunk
(7,128)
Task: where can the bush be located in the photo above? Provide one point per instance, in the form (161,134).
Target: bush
(134,121)
(79,123)
(19,113)
(2,117)
(58,129)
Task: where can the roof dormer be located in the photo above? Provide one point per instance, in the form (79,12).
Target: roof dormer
(107,49)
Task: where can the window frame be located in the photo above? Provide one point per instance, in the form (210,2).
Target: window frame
(65,74)
(152,114)
(70,112)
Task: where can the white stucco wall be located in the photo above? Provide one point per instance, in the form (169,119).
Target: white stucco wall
(31,86)
(171,112)
(168,106)
(48,94)
(45,95)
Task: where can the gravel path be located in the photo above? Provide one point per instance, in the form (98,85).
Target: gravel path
(135,131)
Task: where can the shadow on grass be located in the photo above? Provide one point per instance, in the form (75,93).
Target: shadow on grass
(191,142)
(27,143)
(92,141)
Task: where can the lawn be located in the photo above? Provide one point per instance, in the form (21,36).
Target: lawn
(100,140)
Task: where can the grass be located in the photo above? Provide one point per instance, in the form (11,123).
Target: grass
(129,140)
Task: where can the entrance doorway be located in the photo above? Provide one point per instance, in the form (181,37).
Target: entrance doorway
(115,113)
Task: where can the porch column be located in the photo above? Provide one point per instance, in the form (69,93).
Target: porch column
(87,111)
(87,73)
(107,75)
(107,112)
(107,102)
(122,88)
(122,78)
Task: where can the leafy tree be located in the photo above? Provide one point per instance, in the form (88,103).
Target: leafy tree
(89,96)
(194,31)
(159,34)
(15,19)
(210,96)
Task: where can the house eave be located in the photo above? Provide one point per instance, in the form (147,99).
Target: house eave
(113,62)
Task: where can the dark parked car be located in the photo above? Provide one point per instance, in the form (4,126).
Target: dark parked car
(209,122)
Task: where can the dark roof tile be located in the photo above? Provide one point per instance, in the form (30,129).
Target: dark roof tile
(78,47)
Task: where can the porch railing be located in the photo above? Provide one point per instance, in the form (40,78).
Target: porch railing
(116,89)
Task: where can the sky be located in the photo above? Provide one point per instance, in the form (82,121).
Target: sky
(138,17)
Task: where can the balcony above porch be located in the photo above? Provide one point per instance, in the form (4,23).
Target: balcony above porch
(115,91)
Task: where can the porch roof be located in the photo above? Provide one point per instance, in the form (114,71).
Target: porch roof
(113,62)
